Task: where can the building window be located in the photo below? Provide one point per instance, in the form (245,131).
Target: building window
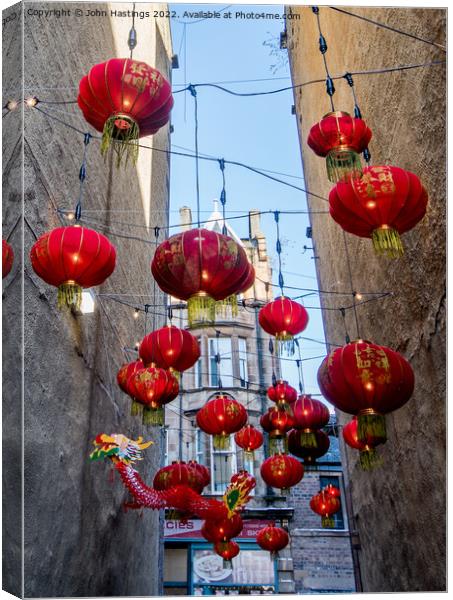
(334,480)
(223,369)
(198,371)
(243,372)
(223,465)
(200,440)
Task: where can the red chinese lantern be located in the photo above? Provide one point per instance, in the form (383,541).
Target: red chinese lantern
(204,268)
(222,530)
(126,371)
(178,473)
(72,258)
(249,439)
(309,415)
(368,456)
(170,348)
(308,453)
(227,550)
(325,505)
(282,471)
(203,474)
(276,422)
(332,490)
(283,318)
(220,417)
(340,138)
(7,258)
(273,539)
(366,380)
(386,202)
(125,99)
(152,387)
(282,393)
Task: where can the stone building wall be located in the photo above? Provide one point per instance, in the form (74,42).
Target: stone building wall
(402,540)
(78,540)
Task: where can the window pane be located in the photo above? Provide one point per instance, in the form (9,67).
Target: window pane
(225,367)
(243,373)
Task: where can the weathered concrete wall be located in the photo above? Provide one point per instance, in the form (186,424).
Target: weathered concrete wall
(399,509)
(78,541)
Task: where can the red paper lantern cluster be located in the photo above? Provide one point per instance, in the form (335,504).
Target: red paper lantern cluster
(249,439)
(282,471)
(7,258)
(205,268)
(368,456)
(366,380)
(310,415)
(221,417)
(125,99)
(309,454)
(282,394)
(273,539)
(277,422)
(170,348)
(152,387)
(384,203)
(72,258)
(340,138)
(283,318)
(325,505)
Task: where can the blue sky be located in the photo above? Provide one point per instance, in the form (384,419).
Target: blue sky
(259,131)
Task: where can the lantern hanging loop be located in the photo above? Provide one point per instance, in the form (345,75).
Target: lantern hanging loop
(132,39)
(193,93)
(223,195)
(82,176)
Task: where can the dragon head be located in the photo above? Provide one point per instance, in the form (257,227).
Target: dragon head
(118,448)
(237,493)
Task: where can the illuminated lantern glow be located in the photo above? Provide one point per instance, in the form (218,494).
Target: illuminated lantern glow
(72,258)
(276,422)
(340,138)
(222,530)
(152,387)
(170,348)
(309,415)
(366,380)
(282,471)
(7,258)
(325,505)
(178,473)
(249,439)
(221,417)
(227,550)
(282,394)
(283,318)
(368,456)
(126,371)
(204,268)
(385,203)
(125,99)
(309,454)
(273,539)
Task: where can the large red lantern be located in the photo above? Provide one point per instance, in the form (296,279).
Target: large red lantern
(366,380)
(170,348)
(204,268)
(325,505)
(282,471)
(283,318)
(308,453)
(203,474)
(384,203)
(227,550)
(220,417)
(126,371)
(368,456)
(7,258)
(340,138)
(309,415)
(273,539)
(153,387)
(178,473)
(125,99)
(222,530)
(249,439)
(72,258)
(282,393)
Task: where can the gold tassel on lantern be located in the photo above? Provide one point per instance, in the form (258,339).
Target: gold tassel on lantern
(387,241)
(328,522)
(201,308)
(308,439)
(69,294)
(369,459)
(342,164)
(122,133)
(371,424)
(153,416)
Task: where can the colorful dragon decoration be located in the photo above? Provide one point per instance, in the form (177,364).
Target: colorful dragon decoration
(123,452)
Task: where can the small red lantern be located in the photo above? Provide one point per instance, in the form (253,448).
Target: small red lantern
(325,505)
(332,490)
(227,550)
(276,422)
(311,453)
(153,387)
(309,415)
(282,471)
(340,138)
(249,439)
(220,417)
(7,258)
(170,348)
(178,473)
(72,258)
(283,318)
(202,473)
(204,268)
(125,99)
(368,456)
(282,393)
(126,371)
(273,539)
(386,202)
(366,380)
(223,530)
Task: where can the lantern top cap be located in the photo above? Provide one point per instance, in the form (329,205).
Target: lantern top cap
(337,113)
